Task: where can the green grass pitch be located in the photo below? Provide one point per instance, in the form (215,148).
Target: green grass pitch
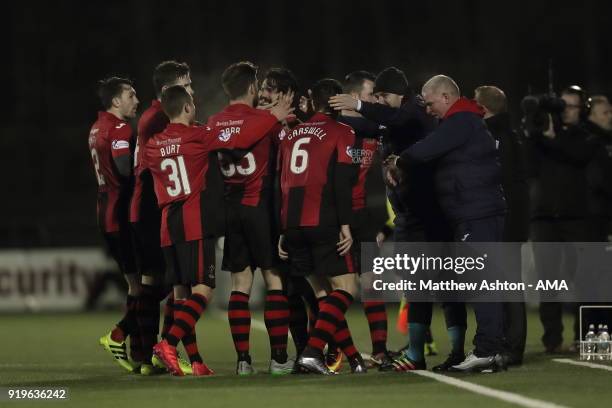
(61,350)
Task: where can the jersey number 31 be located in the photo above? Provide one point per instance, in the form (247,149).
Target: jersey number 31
(177,176)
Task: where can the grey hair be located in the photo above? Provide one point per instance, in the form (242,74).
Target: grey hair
(441,83)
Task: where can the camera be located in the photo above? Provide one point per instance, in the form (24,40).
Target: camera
(536,110)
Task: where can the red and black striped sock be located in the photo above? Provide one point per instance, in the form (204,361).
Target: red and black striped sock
(148,319)
(239,317)
(331,313)
(376,313)
(185,318)
(332,345)
(276,317)
(298,322)
(344,340)
(127,325)
(190,342)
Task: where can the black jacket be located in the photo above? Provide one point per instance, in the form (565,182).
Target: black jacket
(560,186)
(514,177)
(414,201)
(599,172)
(468,171)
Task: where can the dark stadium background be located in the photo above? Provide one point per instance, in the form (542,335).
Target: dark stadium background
(57,50)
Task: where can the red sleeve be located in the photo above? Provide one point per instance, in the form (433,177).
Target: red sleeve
(120,137)
(253,130)
(345,174)
(346,141)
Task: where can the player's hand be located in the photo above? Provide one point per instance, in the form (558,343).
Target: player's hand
(282,254)
(283,108)
(380,238)
(346,240)
(343,102)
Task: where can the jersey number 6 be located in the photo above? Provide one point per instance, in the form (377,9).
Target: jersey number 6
(296,153)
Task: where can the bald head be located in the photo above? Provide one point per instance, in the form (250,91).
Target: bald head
(440,93)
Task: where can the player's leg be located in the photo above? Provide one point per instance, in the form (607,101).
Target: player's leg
(330,320)
(298,314)
(256,223)
(196,268)
(114,341)
(151,265)
(344,287)
(237,260)
(239,318)
(276,317)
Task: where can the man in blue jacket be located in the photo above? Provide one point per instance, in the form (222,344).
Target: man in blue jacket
(468,185)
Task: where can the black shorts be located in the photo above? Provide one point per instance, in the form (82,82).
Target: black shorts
(119,246)
(191,263)
(248,239)
(147,251)
(313,251)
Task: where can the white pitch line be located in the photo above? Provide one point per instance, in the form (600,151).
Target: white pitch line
(489,392)
(582,364)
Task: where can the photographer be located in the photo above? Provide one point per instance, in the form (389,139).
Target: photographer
(516,226)
(561,153)
(599,171)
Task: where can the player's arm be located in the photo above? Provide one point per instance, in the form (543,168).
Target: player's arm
(345,176)
(120,138)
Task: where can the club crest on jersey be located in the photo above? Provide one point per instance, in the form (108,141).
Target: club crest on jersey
(119,126)
(227,133)
(120,144)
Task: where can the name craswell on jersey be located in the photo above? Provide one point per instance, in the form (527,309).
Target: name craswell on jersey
(120,144)
(119,126)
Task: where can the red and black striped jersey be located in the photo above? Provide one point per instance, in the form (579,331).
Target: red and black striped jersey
(110,137)
(248,175)
(363,154)
(179,160)
(143,202)
(317,173)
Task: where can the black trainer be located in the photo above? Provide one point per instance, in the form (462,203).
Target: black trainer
(447,365)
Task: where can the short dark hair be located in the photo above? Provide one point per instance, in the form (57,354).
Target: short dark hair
(237,78)
(110,88)
(173,99)
(282,79)
(322,91)
(353,82)
(167,72)
(492,98)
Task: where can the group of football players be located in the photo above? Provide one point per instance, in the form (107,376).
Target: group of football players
(281,176)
